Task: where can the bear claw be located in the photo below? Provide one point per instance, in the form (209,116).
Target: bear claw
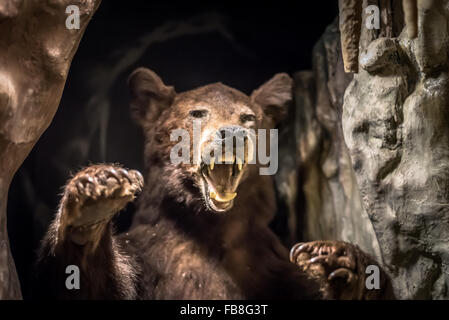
(96,193)
(328,261)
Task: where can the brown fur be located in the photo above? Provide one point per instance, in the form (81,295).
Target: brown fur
(177,248)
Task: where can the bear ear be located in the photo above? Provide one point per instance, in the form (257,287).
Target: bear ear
(149,95)
(274,96)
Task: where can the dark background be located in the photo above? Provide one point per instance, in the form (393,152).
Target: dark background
(188,44)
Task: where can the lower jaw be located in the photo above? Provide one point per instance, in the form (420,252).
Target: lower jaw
(219,207)
(215,206)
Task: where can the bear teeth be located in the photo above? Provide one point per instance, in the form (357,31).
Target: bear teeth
(239,164)
(235,160)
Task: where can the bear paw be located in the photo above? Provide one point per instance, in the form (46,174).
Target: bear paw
(95,194)
(335,264)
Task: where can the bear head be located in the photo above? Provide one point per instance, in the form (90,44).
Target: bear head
(210,116)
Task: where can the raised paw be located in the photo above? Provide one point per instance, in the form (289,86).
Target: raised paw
(338,266)
(96,193)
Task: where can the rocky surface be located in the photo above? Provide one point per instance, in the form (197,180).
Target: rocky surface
(373,168)
(33,71)
(332,208)
(350,26)
(395,124)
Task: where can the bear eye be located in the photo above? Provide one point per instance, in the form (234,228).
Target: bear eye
(198,113)
(247,118)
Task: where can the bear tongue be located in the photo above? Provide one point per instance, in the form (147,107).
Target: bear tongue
(222,197)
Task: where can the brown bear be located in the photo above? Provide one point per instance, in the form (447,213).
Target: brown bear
(201,229)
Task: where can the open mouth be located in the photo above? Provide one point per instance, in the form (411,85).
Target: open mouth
(220,182)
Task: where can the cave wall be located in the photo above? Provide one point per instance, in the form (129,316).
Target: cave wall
(396,126)
(333,208)
(32,76)
(372,143)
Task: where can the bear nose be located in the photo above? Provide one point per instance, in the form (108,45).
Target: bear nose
(227,144)
(231,131)
(232,139)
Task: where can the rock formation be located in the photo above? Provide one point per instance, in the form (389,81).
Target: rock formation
(36,49)
(331,201)
(373,167)
(395,123)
